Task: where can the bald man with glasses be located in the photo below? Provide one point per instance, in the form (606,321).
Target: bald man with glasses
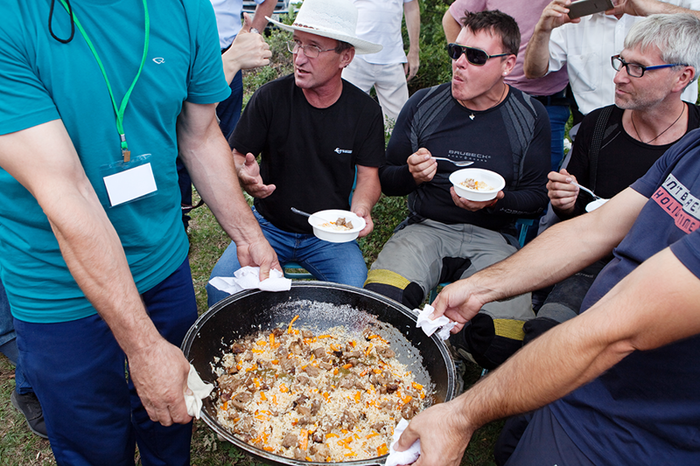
(475,118)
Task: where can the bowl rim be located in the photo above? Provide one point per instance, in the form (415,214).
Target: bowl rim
(356,229)
(456,184)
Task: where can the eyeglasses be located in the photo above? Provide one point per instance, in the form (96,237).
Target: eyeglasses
(311,51)
(635,69)
(475,56)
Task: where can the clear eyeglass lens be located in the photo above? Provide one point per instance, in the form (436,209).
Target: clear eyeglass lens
(633,69)
(311,51)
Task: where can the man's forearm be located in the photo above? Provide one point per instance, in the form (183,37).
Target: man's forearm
(561,250)
(536,62)
(367,190)
(412,15)
(655,305)
(89,243)
(648,7)
(451,27)
(213,173)
(261,11)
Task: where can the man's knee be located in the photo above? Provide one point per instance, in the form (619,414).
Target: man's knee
(396,287)
(487,341)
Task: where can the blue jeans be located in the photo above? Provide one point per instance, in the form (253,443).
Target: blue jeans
(332,262)
(8,343)
(558,116)
(229,110)
(93,414)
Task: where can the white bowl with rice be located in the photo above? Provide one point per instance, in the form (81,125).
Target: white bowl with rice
(336,226)
(477,184)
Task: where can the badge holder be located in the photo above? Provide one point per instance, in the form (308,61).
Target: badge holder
(129,181)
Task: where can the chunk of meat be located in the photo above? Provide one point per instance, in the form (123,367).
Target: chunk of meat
(290,440)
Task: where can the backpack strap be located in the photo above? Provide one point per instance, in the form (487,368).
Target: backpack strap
(520,117)
(596,143)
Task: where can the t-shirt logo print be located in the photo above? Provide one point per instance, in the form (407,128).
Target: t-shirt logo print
(339,151)
(159,60)
(679,203)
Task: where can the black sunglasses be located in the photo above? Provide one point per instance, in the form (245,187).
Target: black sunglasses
(475,56)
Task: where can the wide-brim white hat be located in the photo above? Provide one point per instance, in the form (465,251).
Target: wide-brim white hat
(336,19)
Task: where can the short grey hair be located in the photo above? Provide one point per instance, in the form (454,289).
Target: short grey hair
(676,35)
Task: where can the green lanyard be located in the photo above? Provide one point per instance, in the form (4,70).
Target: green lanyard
(118,110)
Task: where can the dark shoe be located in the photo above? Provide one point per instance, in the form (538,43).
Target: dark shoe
(29,406)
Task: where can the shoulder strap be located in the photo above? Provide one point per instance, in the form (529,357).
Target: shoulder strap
(520,117)
(596,143)
(430,112)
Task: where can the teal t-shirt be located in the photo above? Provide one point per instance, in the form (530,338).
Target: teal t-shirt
(44,80)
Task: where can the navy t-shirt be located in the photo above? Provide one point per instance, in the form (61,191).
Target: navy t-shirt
(646,409)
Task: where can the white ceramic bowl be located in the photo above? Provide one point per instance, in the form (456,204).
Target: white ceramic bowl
(330,233)
(493,179)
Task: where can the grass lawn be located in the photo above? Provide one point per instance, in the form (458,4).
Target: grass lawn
(19,447)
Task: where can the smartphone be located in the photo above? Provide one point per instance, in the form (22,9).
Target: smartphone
(588,7)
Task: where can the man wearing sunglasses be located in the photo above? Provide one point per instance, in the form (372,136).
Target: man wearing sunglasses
(551,89)
(480,119)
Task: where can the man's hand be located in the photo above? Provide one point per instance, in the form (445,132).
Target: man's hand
(562,191)
(258,254)
(411,67)
(422,165)
(474,206)
(634,8)
(442,432)
(365,213)
(159,372)
(251,181)
(249,50)
(554,15)
(459,301)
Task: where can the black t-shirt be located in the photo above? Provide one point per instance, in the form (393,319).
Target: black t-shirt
(486,138)
(308,153)
(621,160)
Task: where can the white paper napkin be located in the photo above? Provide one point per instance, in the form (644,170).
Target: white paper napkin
(409,456)
(200,390)
(247,278)
(430,326)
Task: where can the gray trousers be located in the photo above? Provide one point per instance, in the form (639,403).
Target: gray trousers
(412,262)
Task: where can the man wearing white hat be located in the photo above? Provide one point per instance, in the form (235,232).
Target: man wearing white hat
(319,137)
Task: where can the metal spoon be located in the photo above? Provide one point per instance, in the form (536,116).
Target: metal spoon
(458,164)
(300,212)
(585,189)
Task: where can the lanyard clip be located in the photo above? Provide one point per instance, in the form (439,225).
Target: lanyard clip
(126,153)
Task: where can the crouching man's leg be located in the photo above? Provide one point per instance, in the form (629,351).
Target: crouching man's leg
(496,332)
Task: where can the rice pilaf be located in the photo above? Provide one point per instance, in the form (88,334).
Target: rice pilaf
(333,397)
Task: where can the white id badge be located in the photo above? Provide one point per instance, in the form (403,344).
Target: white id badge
(130,182)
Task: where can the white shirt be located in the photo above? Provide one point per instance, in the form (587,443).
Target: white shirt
(379,22)
(228,19)
(585,49)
